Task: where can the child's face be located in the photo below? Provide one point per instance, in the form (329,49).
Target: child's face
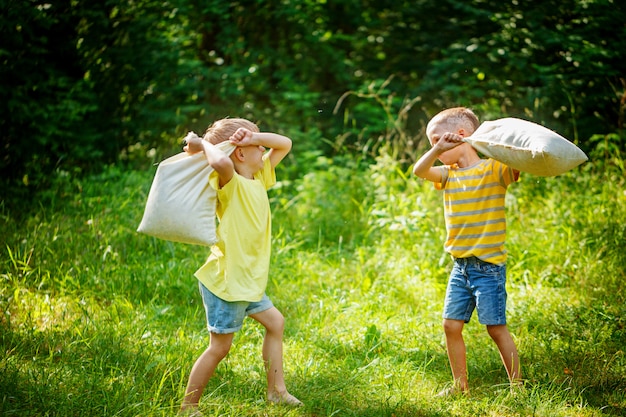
(253,157)
(434,133)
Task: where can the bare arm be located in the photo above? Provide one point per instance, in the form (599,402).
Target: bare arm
(221,163)
(424,167)
(279,145)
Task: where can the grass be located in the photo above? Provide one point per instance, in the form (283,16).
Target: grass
(100,321)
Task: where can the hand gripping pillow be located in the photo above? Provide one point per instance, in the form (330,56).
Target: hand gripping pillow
(181,203)
(526,146)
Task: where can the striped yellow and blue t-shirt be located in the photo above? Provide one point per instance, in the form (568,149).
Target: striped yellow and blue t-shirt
(474,209)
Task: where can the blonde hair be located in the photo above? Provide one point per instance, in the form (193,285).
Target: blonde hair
(222,129)
(457,118)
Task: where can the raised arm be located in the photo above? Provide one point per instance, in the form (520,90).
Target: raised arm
(424,167)
(279,145)
(221,163)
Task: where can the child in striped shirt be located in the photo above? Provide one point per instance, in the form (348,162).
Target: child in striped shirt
(473,191)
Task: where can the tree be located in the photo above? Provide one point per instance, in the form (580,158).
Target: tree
(84,80)
(83,83)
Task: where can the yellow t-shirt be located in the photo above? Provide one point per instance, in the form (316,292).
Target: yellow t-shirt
(238,267)
(474,210)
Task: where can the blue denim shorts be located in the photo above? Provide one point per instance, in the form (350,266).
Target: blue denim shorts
(227,316)
(476,284)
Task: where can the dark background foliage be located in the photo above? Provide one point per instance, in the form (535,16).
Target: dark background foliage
(84,84)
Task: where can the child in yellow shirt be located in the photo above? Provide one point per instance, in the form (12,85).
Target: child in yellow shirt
(233,279)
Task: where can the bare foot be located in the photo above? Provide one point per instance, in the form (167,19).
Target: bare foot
(190,412)
(283,398)
(451,391)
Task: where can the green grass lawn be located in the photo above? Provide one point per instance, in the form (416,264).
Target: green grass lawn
(98,320)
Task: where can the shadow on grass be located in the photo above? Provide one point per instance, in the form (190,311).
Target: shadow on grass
(82,371)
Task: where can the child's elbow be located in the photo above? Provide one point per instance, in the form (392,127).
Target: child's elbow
(287,144)
(222,164)
(428,174)
(418,171)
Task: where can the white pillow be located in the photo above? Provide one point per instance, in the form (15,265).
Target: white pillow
(526,146)
(181,203)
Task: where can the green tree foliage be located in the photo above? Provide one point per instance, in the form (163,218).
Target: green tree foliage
(85,82)
(555,62)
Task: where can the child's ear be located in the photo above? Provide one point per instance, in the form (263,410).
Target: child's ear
(461,132)
(238,152)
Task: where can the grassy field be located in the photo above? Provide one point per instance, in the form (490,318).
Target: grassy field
(98,320)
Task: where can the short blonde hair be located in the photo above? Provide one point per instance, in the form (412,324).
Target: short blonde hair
(222,129)
(456,118)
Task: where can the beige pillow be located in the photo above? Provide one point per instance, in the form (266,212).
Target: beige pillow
(526,146)
(181,203)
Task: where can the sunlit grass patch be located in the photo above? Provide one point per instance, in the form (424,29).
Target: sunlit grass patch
(98,320)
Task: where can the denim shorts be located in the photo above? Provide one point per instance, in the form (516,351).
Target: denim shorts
(227,316)
(476,284)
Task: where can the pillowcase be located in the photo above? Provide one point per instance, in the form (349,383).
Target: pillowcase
(181,203)
(526,146)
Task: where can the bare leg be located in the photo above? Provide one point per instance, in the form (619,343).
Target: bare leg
(455,346)
(508,352)
(274,324)
(204,368)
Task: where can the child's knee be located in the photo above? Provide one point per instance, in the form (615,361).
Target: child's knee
(277,324)
(498,332)
(452,327)
(219,346)
(272,320)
